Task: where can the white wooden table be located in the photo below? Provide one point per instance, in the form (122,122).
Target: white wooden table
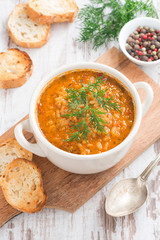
(90,221)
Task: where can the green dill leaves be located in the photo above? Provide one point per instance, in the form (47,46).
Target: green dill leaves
(79,107)
(102,20)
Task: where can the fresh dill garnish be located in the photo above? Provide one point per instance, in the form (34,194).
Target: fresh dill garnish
(102,20)
(79,107)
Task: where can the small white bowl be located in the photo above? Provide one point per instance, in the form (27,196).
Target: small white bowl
(129,28)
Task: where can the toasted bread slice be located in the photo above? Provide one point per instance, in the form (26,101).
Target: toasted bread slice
(22,186)
(25,32)
(10,150)
(15,68)
(50,11)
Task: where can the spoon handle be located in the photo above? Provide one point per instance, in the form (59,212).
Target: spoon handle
(145,174)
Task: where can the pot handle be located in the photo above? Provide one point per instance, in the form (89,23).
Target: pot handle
(149,95)
(32,147)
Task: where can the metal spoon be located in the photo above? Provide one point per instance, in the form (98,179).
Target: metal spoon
(129,194)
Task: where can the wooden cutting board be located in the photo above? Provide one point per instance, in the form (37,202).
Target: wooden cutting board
(69,191)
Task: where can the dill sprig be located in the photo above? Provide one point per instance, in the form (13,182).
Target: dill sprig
(79,107)
(102,20)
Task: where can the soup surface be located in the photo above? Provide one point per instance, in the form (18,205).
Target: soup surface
(85,112)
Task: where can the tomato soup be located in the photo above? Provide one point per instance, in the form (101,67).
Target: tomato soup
(85,112)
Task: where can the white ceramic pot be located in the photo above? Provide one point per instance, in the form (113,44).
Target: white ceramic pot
(83,164)
(129,28)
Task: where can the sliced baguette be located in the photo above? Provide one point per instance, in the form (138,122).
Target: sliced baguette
(10,150)
(22,186)
(25,32)
(50,11)
(15,68)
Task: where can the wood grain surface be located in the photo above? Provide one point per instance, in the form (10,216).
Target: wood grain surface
(69,191)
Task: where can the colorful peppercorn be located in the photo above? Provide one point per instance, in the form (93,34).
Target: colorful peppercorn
(144,44)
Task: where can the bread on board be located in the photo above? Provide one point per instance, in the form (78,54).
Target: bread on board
(22,186)
(10,150)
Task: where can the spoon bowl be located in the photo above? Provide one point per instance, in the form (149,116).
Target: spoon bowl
(129,194)
(126,197)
